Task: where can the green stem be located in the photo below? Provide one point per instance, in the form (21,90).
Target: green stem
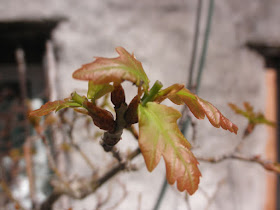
(152,93)
(78,98)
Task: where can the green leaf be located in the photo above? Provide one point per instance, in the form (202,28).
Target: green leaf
(159,135)
(97,91)
(197,106)
(106,70)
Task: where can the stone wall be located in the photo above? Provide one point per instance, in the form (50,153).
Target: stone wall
(160,33)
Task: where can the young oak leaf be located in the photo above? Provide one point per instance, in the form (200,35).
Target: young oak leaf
(53,106)
(97,91)
(253,118)
(198,107)
(159,135)
(106,70)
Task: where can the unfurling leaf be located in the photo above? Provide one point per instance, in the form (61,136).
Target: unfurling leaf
(97,91)
(47,108)
(106,70)
(253,117)
(197,106)
(159,135)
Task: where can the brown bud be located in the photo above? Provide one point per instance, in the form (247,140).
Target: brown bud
(131,115)
(118,96)
(101,117)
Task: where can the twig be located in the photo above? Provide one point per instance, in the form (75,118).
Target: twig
(133,131)
(187,199)
(122,198)
(19,54)
(266,164)
(71,139)
(50,72)
(6,189)
(84,188)
(212,198)
(101,202)
(52,163)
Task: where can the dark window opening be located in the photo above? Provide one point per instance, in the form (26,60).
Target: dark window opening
(30,36)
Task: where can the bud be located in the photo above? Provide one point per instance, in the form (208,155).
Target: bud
(131,115)
(118,96)
(101,117)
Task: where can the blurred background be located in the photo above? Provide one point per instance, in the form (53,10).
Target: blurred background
(235,43)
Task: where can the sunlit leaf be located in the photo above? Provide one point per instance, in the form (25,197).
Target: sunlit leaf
(159,135)
(106,70)
(197,106)
(97,91)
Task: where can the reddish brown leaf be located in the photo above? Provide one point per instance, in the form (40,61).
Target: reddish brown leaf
(159,135)
(106,70)
(47,108)
(200,108)
(168,92)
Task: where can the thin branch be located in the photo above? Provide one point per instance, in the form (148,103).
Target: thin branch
(52,163)
(266,164)
(85,187)
(124,195)
(71,139)
(19,55)
(101,202)
(212,198)
(6,189)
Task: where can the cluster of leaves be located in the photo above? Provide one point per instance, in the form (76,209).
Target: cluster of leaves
(159,134)
(253,117)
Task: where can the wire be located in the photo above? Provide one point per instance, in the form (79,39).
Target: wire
(199,76)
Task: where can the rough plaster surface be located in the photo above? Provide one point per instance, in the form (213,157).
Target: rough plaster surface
(160,34)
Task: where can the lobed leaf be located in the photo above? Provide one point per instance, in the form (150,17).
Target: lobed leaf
(198,107)
(106,70)
(159,135)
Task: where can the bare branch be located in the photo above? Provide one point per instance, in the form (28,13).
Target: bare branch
(84,187)
(19,55)
(266,164)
